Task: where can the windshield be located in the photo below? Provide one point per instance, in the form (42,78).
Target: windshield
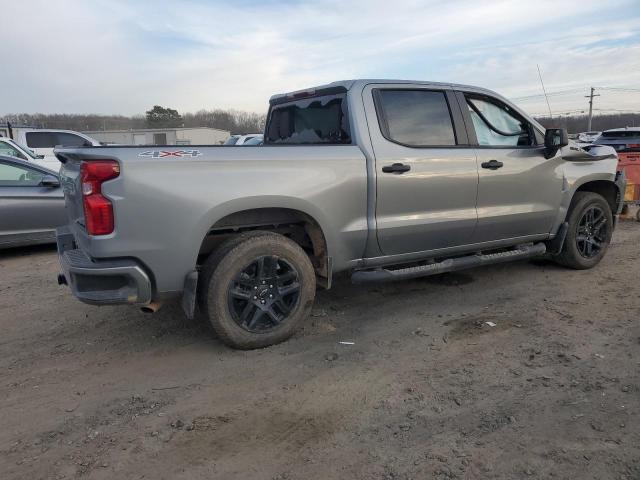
(314,120)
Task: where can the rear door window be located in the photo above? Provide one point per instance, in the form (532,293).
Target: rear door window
(315,120)
(415,118)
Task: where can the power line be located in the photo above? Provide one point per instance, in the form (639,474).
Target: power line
(549,94)
(619,89)
(574,91)
(571,112)
(566,112)
(616,110)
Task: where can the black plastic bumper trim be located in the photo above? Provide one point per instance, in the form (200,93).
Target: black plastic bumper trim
(83,274)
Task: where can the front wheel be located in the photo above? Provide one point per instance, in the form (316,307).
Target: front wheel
(257,289)
(589,234)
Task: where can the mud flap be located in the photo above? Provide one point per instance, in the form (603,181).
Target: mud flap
(189,294)
(555,245)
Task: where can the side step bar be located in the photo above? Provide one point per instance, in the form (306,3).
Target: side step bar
(449,265)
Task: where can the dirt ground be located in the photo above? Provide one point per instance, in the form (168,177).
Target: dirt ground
(427,390)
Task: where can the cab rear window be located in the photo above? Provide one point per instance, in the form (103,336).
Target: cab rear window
(315,120)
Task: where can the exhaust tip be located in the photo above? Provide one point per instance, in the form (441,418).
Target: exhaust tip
(152,307)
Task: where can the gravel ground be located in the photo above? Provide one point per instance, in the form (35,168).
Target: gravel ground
(428,390)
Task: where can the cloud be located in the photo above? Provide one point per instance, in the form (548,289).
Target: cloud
(116,56)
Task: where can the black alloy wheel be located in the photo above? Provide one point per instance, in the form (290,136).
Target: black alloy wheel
(263,294)
(592,232)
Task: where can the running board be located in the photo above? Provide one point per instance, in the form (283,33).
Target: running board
(449,265)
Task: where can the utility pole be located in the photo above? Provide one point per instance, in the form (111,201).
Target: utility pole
(590,97)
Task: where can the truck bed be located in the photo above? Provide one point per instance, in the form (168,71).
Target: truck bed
(165,202)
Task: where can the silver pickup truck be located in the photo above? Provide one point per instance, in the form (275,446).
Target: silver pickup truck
(387,180)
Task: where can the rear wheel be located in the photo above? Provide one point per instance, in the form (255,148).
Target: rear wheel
(590,229)
(257,289)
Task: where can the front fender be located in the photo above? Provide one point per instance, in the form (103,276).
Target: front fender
(578,174)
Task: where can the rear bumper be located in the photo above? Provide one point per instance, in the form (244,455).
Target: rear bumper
(101,282)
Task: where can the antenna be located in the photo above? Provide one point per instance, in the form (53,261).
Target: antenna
(544,91)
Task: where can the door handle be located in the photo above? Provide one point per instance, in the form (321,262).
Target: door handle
(396,168)
(492,165)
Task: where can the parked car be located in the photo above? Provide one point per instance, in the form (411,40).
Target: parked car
(239,140)
(231,140)
(253,141)
(625,140)
(387,180)
(42,141)
(31,203)
(588,137)
(12,149)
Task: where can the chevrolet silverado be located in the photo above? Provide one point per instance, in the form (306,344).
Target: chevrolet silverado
(385,179)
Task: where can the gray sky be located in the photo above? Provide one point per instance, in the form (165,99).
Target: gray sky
(122,57)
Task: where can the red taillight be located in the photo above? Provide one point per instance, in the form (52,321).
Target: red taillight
(633,145)
(98,211)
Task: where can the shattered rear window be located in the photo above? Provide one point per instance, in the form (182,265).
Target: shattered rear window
(316,120)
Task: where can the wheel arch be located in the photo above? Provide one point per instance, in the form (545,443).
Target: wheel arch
(295,223)
(606,188)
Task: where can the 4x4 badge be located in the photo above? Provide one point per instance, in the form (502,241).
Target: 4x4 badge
(170,153)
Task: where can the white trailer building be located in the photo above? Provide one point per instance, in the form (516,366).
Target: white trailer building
(162,136)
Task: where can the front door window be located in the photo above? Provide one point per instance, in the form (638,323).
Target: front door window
(498,125)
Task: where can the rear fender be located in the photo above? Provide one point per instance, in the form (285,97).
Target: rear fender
(262,202)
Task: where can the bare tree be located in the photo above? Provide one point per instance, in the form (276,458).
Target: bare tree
(232,120)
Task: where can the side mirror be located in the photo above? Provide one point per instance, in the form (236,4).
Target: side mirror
(50,181)
(554,140)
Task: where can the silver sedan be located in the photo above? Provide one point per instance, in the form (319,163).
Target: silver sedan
(31,203)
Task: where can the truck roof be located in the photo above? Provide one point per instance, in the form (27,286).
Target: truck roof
(349,84)
(346,85)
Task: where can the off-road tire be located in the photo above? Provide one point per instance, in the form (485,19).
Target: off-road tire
(570,256)
(226,263)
